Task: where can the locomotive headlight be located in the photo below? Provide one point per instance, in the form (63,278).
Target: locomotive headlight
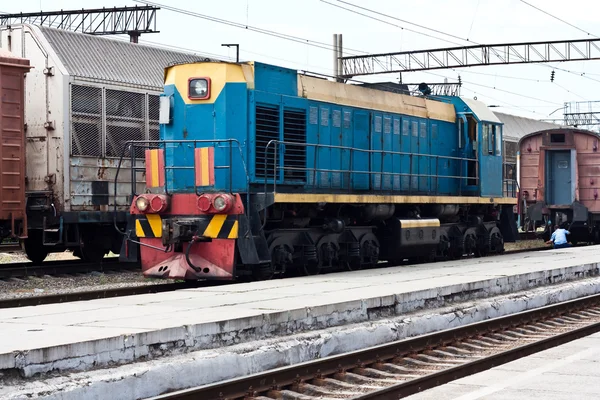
(142,204)
(199,88)
(219,203)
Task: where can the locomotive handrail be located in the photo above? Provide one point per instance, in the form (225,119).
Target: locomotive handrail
(274,144)
(133,145)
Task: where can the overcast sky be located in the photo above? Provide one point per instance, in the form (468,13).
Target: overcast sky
(520,89)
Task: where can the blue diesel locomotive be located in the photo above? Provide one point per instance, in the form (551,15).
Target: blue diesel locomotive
(261,171)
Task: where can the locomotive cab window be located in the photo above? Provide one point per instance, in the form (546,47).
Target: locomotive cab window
(497,130)
(199,88)
(487,139)
(557,138)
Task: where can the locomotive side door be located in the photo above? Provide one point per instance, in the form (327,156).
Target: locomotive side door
(468,151)
(490,159)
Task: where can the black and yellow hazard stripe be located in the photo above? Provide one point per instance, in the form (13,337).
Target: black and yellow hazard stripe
(148,226)
(219,226)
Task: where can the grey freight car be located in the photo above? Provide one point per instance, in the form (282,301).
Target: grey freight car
(85,97)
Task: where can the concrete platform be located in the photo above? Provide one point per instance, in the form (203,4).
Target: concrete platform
(566,372)
(85,335)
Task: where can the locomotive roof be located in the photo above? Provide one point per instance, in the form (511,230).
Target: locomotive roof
(110,60)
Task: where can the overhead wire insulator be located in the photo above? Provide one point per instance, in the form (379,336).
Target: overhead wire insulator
(552,76)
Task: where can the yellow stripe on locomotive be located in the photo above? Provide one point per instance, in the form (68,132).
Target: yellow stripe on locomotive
(219,226)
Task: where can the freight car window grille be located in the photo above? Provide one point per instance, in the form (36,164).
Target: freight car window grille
(267,129)
(404,127)
(423,129)
(86,121)
(415,129)
(125,120)
(102,120)
(294,157)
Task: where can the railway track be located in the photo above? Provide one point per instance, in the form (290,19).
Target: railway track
(405,367)
(56,267)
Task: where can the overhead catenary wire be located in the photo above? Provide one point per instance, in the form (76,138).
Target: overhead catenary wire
(389,23)
(326,45)
(447,34)
(557,18)
(292,38)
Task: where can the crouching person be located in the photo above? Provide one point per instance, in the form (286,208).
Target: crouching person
(559,238)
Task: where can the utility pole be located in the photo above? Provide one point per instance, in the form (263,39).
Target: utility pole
(338,66)
(237,50)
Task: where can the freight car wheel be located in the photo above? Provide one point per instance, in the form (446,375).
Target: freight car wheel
(34,249)
(91,250)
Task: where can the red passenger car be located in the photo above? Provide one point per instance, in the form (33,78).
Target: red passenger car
(559,176)
(13,219)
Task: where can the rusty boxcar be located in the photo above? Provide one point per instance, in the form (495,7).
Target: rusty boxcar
(13,219)
(559,175)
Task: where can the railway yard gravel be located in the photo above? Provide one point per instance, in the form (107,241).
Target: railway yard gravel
(63,284)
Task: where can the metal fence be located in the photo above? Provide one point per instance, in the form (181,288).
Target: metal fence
(103,120)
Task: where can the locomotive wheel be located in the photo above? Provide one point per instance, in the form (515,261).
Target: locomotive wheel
(263,272)
(282,255)
(312,268)
(443,250)
(483,245)
(470,241)
(34,249)
(369,250)
(495,241)
(457,243)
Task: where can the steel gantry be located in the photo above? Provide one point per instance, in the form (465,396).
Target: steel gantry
(132,21)
(582,114)
(471,56)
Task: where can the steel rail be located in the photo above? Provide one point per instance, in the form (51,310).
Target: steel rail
(253,385)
